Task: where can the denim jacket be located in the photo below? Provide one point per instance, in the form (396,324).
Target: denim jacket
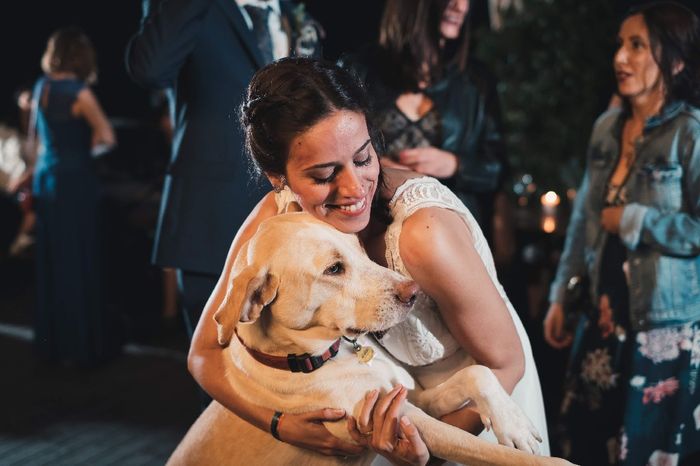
(660,224)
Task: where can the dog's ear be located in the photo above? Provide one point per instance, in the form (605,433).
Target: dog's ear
(249,292)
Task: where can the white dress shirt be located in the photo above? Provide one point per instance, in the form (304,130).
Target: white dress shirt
(280,40)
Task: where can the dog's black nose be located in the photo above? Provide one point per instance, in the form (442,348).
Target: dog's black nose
(406,292)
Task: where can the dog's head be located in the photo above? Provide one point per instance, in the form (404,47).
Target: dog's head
(298,275)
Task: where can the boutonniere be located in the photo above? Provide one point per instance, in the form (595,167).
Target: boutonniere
(299,15)
(308,33)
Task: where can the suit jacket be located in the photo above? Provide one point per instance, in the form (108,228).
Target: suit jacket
(203,54)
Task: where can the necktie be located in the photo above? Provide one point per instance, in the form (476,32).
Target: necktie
(259,16)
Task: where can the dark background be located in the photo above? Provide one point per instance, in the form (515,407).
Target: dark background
(111,23)
(132,175)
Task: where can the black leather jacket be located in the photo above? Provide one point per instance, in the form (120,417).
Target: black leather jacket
(470,126)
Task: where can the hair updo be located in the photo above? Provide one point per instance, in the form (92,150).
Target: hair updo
(289,96)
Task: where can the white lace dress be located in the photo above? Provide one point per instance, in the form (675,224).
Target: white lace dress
(423,340)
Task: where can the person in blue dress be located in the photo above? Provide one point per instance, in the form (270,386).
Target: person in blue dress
(71,324)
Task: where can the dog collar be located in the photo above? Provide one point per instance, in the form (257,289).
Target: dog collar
(294,362)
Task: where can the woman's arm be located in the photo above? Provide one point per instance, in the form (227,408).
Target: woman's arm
(437,250)
(87,106)
(571,263)
(207,361)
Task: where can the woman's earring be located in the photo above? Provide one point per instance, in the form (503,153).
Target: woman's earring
(278,188)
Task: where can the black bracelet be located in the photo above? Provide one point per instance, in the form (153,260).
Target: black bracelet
(274,423)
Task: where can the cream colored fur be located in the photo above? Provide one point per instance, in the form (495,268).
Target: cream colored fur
(296,287)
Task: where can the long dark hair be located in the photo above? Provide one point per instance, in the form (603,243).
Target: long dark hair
(674,34)
(409,38)
(287,97)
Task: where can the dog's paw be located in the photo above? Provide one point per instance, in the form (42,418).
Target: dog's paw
(510,425)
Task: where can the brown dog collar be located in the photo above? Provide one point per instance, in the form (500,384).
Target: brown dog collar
(294,362)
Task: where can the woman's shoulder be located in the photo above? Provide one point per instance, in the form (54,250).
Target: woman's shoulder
(607,120)
(692,115)
(407,192)
(394,180)
(68,87)
(442,228)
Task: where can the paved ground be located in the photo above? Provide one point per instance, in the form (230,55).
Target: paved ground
(131,412)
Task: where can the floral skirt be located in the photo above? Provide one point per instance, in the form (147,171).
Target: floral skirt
(632,398)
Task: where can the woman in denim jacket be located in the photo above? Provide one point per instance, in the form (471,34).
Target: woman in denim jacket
(632,393)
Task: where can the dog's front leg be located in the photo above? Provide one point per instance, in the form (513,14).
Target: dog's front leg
(454,444)
(478,386)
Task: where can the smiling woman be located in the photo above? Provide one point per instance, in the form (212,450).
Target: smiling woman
(307,131)
(437,106)
(333,171)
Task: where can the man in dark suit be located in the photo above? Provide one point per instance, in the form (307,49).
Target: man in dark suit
(204,52)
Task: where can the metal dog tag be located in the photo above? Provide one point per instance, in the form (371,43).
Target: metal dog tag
(365,354)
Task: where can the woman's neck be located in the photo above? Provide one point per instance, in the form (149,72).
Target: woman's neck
(373,229)
(62,75)
(372,240)
(646,106)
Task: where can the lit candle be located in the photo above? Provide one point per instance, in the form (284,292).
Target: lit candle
(549,224)
(549,200)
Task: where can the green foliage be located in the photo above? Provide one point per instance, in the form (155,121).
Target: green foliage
(554,65)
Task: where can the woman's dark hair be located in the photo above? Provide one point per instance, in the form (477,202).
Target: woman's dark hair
(674,34)
(289,96)
(70,50)
(409,36)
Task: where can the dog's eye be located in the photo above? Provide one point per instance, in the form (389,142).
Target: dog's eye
(335,269)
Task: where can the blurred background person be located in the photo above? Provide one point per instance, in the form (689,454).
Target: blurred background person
(631,394)
(18,158)
(203,53)
(437,107)
(14,181)
(71,323)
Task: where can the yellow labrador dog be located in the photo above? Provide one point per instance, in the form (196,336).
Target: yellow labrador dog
(297,288)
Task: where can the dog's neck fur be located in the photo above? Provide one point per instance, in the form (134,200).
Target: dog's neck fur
(278,340)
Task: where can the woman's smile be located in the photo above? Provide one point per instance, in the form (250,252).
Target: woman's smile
(354,209)
(333,170)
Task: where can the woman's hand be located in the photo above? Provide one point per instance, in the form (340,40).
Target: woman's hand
(24,181)
(379,427)
(610,219)
(554,332)
(429,161)
(307,431)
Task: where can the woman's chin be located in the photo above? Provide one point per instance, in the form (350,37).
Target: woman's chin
(353,226)
(347,224)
